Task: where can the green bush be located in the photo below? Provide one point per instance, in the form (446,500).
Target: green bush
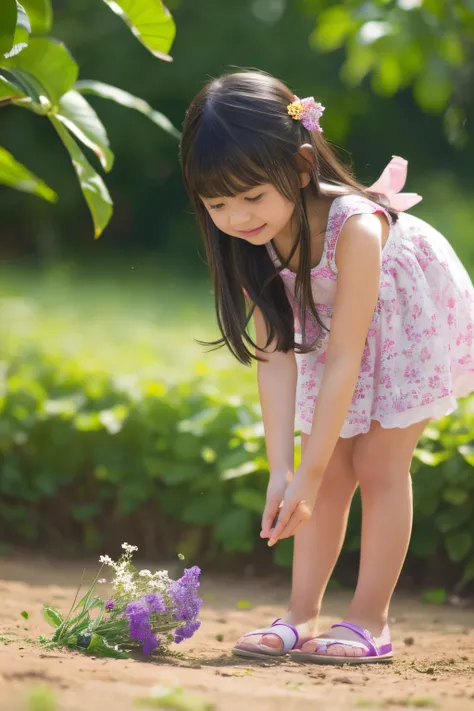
(86,457)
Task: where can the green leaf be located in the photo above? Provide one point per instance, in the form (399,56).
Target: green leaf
(101,648)
(432,459)
(248,467)
(458,545)
(93,187)
(435,596)
(105,91)
(25,614)
(22,32)
(452,518)
(334,25)
(82,121)
(41,15)
(28,86)
(49,62)
(433,89)
(52,616)
(234,531)
(9,90)
(387,75)
(149,21)
(283,552)
(250,499)
(8,17)
(456,496)
(17,176)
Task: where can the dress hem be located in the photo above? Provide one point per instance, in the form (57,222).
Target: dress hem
(401,420)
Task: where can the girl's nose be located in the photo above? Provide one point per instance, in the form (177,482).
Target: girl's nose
(239,219)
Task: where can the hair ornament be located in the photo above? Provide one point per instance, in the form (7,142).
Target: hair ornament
(308,111)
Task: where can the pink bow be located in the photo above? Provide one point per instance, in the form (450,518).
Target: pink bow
(392,181)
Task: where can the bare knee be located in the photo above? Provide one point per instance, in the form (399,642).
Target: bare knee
(376,467)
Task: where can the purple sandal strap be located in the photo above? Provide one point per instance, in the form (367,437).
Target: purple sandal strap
(365,634)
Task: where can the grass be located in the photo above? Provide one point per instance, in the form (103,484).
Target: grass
(123,321)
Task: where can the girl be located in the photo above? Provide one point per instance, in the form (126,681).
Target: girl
(364,322)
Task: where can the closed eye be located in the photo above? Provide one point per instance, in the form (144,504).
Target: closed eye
(256,198)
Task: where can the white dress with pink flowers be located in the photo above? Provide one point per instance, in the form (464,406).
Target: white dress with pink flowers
(419,351)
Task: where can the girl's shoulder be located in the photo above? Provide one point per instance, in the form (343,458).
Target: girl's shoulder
(344,206)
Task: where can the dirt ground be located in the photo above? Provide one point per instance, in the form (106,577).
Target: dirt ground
(434,647)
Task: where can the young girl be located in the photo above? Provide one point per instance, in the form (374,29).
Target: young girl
(364,324)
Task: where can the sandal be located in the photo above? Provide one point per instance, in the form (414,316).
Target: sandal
(287,633)
(372,652)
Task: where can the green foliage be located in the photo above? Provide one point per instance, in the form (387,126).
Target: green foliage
(423,44)
(15,174)
(39,74)
(150,23)
(68,434)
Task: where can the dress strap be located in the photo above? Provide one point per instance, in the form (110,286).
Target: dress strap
(342,208)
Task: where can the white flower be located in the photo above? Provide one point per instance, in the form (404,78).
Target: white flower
(106,560)
(128,548)
(145,573)
(102,580)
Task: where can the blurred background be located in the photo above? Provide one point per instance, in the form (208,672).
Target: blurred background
(114,423)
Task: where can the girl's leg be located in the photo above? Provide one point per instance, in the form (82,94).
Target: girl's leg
(318,544)
(381,461)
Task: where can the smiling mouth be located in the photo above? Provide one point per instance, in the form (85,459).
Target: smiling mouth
(254,231)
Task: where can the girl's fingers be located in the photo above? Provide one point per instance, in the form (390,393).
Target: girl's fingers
(269,518)
(292,526)
(284,518)
(297,519)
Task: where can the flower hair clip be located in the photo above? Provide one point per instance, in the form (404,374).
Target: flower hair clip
(308,111)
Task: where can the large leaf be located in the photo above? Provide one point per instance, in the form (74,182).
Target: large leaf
(8,17)
(22,32)
(8,90)
(149,21)
(17,176)
(105,91)
(52,616)
(50,63)
(81,119)
(94,189)
(41,15)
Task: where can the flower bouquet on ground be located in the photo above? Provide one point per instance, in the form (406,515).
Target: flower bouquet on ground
(147,611)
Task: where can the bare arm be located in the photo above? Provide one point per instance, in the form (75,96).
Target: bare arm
(277,390)
(358,258)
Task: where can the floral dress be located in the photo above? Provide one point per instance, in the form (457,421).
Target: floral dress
(419,353)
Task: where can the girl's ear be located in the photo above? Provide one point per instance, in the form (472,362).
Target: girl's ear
(305,162)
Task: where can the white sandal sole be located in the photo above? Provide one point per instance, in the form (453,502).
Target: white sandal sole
(330,659)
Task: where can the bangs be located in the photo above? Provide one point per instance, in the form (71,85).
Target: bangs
(223,164)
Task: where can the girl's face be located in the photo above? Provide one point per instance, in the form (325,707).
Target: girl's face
(256,215)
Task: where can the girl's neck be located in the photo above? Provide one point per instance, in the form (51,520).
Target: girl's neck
(317,209)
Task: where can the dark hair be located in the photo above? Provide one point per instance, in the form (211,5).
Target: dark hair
(237,134)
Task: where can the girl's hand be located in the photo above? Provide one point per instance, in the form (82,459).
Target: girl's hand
(276,488)
(298,505)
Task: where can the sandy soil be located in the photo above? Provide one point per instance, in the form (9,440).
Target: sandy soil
(434,647)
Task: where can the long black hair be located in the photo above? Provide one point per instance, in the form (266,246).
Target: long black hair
(237,134)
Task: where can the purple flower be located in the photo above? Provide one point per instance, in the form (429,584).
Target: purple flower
(109,605)
(184,595)
(187,631)
(151,643)
(138,613)
(155,602)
